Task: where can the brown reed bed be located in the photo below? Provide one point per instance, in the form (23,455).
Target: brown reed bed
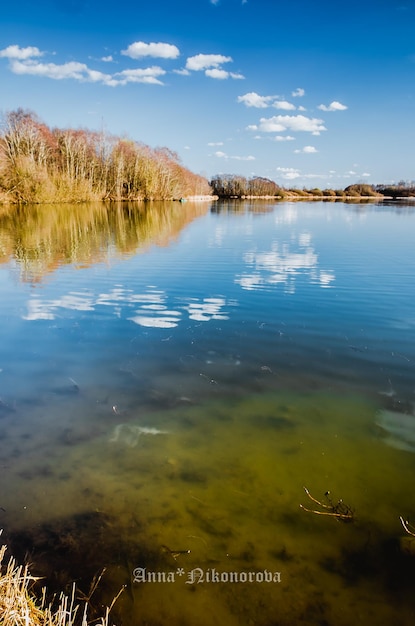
(19,606)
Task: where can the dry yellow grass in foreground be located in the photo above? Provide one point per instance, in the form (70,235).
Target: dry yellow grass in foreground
(19,607)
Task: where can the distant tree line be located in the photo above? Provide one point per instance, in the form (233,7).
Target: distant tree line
(234,186)
(401,190)
(40,164)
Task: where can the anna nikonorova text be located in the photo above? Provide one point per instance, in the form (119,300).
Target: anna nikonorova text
(198,575)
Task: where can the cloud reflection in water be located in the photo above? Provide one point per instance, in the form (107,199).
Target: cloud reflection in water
(282,264)
(155,311)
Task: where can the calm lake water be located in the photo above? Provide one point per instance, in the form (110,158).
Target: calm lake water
(172,377)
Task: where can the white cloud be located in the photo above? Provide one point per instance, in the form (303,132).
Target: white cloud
(23,61)
(321,176)
(215,143)
(284,138)
(333,106)
(291,173)
(237,76)
(252,99)
(81,72)
(206,61)
(306,150)
(210,64)
(182,72)
(73,69)
(280,123)
(95,76)
(15,52)
(366,174)
(288,173)
(147,75)
(283,104)
(217,73)
(223,155)
(298,93)
(139,49)
(301,108)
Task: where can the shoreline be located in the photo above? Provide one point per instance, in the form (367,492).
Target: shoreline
(290,197)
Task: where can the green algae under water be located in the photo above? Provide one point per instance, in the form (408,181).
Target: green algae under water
(224,479)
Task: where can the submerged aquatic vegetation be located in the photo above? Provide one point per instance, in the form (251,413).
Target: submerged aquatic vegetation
(129,434)
(340,510)
(399,428)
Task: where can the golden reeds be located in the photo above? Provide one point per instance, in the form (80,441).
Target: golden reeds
(20,607)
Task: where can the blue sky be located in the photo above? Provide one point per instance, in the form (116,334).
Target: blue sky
(307,93)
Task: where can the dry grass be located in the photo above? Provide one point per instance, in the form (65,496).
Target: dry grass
(20,607)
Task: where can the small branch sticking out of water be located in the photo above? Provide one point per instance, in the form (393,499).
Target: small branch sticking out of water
(341,511)
(408,527)
(174,553)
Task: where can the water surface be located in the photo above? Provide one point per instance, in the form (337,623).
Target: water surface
(173,375)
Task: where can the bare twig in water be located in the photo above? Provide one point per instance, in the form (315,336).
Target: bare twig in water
(340,510)
(115,600)
(408,527)
(211,380)
(174,553)
(94,584)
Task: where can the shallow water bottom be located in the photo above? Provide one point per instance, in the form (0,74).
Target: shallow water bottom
(193,508)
